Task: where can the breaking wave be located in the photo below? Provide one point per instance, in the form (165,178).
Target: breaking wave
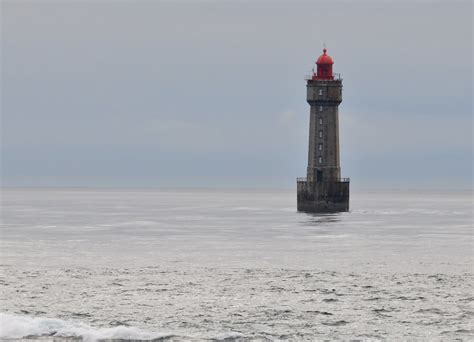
(16,326)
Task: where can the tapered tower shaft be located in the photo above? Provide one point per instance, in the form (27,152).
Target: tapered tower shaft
(324,97)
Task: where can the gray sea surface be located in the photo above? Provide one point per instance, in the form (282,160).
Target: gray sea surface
(231,265)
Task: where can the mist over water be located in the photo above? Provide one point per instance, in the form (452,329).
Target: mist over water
(235,264)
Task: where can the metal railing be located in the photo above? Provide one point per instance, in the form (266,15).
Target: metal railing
(337,77)
(341,180)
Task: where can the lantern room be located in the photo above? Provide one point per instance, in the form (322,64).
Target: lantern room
(324,67)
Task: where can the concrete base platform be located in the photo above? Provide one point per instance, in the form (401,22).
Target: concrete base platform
(322,206)
(324,197)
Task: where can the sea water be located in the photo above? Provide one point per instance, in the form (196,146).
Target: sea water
(229,265)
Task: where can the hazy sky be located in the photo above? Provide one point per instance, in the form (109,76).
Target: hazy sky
(142,93)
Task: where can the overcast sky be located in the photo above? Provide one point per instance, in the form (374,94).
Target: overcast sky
(141,93)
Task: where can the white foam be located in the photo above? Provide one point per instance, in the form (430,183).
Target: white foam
(16,326)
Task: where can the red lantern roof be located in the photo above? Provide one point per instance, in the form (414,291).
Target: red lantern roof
(324,59)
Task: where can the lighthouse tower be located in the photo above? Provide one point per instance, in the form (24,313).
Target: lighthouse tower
(323,190)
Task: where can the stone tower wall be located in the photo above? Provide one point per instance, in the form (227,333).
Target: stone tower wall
(324,97)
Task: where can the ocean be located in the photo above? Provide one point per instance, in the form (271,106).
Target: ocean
(234,265)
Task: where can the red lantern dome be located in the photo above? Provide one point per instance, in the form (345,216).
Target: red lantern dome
(324,58)
(324,69)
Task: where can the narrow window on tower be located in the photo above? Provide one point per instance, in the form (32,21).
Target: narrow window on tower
(319,176)
(320,134)
(320,108)
(320,160)
(320,92)
(320,147)
(320,121)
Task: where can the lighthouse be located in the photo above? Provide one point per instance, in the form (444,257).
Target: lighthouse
(323,190)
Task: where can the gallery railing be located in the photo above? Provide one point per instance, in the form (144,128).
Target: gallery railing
(336,77)
(304,180)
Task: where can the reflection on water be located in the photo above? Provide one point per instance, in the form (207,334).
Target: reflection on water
(318,219)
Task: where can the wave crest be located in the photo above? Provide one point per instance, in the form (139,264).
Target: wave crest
(16,326)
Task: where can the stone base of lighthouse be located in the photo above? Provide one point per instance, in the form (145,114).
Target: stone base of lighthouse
(323,197)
